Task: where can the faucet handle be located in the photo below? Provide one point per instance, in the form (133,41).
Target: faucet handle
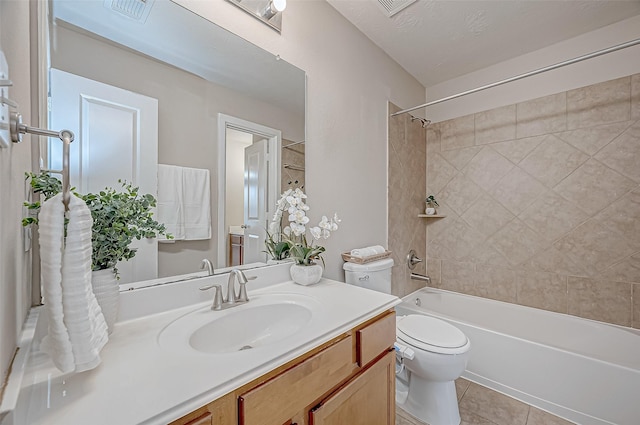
(217,297)
(242,296)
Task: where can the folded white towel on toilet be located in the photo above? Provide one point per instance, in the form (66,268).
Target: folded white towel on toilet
(367,251)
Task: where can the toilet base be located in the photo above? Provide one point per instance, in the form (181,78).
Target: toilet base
(435,403)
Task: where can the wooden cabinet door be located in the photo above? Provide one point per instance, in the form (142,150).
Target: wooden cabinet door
(368,399)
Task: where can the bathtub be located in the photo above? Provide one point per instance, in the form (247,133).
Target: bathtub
(585,371)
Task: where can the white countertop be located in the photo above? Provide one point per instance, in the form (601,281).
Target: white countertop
(142,382)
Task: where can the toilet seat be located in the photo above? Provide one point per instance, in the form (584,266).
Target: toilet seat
(431,334)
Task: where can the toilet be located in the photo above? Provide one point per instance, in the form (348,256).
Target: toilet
(431,353)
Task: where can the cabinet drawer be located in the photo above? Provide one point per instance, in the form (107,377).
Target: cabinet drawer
(279,399)
(375,338)
(236,239)
(368,399)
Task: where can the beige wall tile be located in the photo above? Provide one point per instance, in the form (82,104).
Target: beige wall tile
(517,190)
(498,408)
(486,254)
(552,160)
(487,216)
(623,154)
(495,283)
(487,168)
(433,138)
(599,103)
(459,158)
(591,140)
(457,133)
(457,276)
(434,271)
(627,270)
(636,306)
(459,194)
(458,240)
(635,97)
(496,125)
(575,215)
(553,261)
(600,300)
(517,150)
(439,173)
(594,247)
(593,186)
(541,116)
(552,216)
(540,417)
(547,291)
(435,226)
(516,242)
(623,216)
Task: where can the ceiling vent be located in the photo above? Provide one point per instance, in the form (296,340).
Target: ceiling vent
(391,7)
(138,10)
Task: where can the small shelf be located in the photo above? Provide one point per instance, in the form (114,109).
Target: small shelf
(431,216)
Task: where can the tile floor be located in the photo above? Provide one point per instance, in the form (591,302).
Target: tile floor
(482,406)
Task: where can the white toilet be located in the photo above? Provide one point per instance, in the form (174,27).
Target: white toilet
(433,353)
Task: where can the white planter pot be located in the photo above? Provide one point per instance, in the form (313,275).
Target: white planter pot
(306,275)
(429,211)
(107,291)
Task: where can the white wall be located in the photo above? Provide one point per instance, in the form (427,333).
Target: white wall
(14,161)
(607,67)
(349,81)
(236,143)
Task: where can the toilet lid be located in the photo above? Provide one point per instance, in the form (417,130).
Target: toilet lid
(431,334)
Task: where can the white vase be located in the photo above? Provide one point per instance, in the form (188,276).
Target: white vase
(306,275)
(429,210)
(107,291)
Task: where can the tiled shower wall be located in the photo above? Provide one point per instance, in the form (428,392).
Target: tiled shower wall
(542,202)
(406,194)
(294,157)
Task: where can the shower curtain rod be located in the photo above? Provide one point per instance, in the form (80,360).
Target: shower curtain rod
(526,74)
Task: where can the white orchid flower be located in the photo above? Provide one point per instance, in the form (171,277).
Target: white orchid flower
(287,231)
(316,232)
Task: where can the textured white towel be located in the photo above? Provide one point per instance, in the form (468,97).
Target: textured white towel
(170,205)
(367,251)
(196,198)
(184,202)
(77,329)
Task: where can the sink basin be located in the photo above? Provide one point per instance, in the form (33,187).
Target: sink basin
(263,321)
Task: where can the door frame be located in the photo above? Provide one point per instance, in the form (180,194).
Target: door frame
(274,146)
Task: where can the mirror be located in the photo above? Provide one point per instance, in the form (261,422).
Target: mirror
(196,72)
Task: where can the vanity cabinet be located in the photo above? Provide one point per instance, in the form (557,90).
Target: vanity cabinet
(348,380)
(236,250)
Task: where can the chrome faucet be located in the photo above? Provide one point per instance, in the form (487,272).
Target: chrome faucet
(206,264)
(232,299)
(241,297)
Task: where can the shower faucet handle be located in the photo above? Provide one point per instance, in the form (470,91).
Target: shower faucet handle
(413,259)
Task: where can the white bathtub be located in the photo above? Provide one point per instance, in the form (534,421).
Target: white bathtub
(585,371)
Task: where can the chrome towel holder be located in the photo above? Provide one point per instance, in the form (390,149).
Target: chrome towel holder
(17,129)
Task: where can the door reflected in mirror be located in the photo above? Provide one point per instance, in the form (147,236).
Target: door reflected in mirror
(196,71)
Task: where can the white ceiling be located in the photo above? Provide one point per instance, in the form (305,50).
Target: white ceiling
(437,40)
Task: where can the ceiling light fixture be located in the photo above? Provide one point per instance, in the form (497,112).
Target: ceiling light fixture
(267,11)
(274,7)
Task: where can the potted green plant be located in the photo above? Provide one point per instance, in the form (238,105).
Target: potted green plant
(119,217)
(431,205)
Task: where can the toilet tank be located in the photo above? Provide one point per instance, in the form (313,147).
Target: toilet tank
(375,275)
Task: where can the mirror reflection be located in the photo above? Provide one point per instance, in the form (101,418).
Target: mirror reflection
(197,98)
